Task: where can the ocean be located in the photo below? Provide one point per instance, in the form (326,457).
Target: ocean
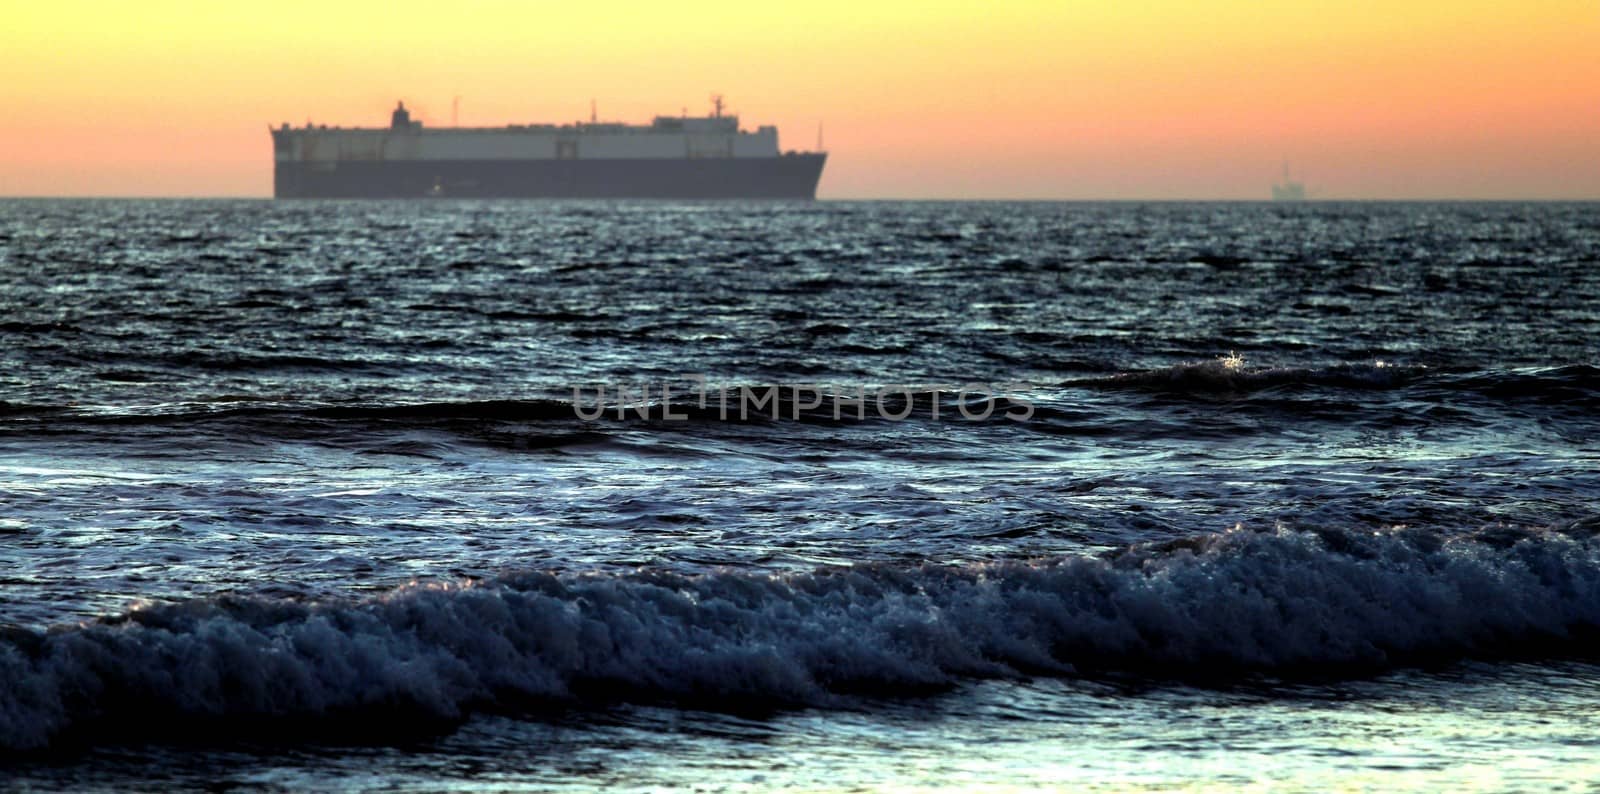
(818,496)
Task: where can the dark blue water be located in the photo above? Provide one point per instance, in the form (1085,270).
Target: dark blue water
(310,495)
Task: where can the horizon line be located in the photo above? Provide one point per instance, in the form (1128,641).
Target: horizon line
(929,199)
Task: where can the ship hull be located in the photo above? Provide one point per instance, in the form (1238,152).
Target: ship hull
(790,176)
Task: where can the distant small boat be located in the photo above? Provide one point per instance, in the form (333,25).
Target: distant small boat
(1288,189)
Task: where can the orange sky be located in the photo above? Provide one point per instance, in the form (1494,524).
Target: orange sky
(1063,99)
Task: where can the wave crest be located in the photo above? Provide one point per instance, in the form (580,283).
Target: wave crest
(1279,601)
(1230,375)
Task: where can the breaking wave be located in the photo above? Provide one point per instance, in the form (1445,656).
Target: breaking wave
(1278,601)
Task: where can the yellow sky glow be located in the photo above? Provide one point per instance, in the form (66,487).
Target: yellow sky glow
(1062,99)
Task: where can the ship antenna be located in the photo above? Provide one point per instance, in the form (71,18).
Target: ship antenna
(716,102)
(594,113)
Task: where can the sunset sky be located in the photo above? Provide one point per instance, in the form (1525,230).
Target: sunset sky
(1065,99)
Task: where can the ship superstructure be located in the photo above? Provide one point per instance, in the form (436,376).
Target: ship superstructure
(671,157)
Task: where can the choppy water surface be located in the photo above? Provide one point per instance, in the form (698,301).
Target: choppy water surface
(303,495)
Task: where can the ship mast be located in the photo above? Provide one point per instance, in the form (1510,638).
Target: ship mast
(716,104)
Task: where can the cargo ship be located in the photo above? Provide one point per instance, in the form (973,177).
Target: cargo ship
(672,157)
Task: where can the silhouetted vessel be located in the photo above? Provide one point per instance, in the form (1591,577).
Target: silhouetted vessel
(1288,189)
(672,157)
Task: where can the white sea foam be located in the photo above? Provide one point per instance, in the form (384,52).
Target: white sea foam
(1279,601)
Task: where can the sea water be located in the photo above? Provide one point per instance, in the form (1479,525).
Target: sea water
(827,496)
